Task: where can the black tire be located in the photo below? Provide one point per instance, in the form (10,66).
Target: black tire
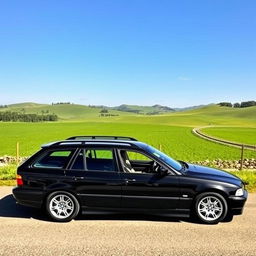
(228,218)
(213,215)
(65,210)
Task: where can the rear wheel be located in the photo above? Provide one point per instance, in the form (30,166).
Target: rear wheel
(210,208)
(62,206)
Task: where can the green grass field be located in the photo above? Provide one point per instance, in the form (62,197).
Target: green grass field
(237,134)
(179,142)
(172,131)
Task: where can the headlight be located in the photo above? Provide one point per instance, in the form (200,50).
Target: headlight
(239,192)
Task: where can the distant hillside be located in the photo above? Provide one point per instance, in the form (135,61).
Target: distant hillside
(218,111)
(190,108)
(26,105)
(210,114)
(207,115)
(63,111)
(147,110)
(216,115)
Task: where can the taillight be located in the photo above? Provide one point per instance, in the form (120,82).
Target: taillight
(19,180)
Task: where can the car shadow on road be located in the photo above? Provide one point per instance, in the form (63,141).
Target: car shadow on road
(10,209)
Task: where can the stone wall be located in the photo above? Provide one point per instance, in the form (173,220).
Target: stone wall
(4,160)
(229,164)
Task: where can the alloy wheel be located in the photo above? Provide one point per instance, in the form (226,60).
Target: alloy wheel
(210,208)
(61,206)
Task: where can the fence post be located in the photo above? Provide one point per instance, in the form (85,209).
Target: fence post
(17,152)
(242,158)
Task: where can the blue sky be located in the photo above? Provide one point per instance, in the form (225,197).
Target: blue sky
(176,53)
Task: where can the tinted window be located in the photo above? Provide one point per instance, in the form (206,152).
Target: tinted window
(136,162)
(95,160)
(54,159)
(168,160)
(132,155)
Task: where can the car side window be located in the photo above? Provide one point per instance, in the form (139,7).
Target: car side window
(95,160)
(137,162)
(133,156)
(54,159)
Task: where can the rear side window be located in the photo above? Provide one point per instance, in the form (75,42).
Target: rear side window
(54,159)
(95,160)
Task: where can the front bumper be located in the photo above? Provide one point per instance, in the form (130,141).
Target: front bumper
(236,203)
(28,197)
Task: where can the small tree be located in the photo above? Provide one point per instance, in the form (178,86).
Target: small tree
(237,105)
(225,104)
(104,111)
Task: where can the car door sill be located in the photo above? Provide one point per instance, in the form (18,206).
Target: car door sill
(170,212)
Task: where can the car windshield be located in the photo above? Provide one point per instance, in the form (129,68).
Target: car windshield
(168,160)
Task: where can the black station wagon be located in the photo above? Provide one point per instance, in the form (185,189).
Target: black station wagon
(112,173)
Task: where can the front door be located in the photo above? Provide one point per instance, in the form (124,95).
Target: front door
(143,187)
(94,177)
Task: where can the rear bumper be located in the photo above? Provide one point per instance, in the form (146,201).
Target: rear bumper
(28,197)
(236,203)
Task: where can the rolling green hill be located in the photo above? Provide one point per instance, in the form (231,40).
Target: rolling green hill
(218,111)
(207,115)
(26,105)
(64,111)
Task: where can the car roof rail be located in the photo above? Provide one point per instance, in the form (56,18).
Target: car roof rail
(100,137)
(84,142)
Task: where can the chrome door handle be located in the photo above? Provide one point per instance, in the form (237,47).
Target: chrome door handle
(78,178)
(129,180)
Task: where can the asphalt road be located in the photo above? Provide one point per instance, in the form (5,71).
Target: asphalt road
(25,231)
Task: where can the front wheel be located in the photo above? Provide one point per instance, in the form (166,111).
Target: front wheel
(62,206)
(210,208)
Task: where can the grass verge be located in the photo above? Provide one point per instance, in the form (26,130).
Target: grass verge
(249,177)
(8,172)
(7,182)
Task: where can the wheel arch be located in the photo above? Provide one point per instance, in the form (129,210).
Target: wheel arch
(213,190)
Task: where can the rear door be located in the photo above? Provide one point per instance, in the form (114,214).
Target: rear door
(94,177)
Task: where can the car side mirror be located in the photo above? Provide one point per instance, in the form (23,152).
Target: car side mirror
(163,171)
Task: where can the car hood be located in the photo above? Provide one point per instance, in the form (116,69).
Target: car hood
(203,172)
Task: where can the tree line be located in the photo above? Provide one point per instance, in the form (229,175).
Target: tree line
(244,104)
(9,116)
